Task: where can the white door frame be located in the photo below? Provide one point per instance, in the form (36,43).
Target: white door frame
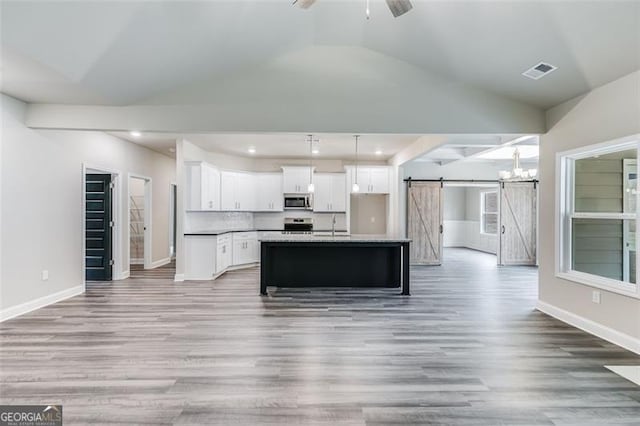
(148,182)
(117,272)
(173,219)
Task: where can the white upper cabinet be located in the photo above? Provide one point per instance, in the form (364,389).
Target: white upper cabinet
(237,191)
(330,192)
(295,179)
(203,186)
(269,197)
(373,179)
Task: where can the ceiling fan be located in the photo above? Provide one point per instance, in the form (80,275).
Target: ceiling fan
(397,7)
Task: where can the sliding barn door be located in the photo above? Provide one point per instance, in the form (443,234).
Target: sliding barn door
(518,223)
(424,222)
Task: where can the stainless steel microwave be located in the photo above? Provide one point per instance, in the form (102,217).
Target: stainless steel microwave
(297,202)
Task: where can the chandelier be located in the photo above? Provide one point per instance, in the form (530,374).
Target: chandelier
(517,172)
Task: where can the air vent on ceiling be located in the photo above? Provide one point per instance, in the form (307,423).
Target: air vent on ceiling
(538,71)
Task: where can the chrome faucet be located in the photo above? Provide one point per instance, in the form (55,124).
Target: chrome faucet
(333,225)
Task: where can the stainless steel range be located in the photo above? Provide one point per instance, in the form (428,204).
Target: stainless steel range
(298,225)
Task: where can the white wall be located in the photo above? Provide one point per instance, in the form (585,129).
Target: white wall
(41,195)
(608,112)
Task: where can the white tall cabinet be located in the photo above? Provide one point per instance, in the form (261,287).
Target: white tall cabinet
(269,197)
(330,192)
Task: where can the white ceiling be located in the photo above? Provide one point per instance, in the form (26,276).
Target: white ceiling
(120,53)
(481,148)
(285,145)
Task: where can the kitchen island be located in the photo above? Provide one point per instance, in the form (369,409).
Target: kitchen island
(334,261)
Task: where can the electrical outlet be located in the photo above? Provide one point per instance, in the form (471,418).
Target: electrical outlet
(45,275)
(595,296)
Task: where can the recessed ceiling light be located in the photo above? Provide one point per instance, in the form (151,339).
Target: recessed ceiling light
(135,133)
(172,150)
(378,152)
(315,151)
(252,150)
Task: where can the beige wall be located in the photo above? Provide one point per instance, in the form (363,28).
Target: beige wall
(369,214)
(609,112)
(41,195)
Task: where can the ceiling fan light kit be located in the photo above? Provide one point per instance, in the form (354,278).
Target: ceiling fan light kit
(397,7)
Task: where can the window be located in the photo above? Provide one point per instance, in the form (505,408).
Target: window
(489,212)
(597,215)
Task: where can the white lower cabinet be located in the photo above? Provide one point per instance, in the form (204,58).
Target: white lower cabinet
(245,248)
(200,257)
(224,253)
(207,256)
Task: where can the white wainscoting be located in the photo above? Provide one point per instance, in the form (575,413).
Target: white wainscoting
(466,233)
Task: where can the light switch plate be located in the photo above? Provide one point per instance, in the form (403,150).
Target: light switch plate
(45,275)
(595,296)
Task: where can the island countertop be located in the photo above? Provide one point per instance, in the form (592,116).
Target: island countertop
(353,238)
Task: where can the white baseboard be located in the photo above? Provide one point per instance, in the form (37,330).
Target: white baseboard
(41,302)
(216,276)
(125,274)
(160,262)
(178,278)
(609,334)
(136,261)
(243,266)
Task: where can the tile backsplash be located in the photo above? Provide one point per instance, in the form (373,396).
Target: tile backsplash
(217,221)
(320,220)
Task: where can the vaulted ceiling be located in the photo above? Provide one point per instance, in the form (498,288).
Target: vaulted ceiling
(141,52)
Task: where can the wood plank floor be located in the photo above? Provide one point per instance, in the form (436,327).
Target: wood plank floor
(467,348)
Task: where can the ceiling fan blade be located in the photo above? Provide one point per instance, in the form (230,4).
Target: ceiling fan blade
(399,7)
(304,4)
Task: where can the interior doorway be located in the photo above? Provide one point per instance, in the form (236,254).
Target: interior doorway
(139,218)
(471,217)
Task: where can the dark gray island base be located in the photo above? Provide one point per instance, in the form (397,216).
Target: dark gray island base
(352,261)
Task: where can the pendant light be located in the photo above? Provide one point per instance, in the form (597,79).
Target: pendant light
(356,187)
(311,188)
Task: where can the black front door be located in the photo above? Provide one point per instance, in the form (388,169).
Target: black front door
(98,227)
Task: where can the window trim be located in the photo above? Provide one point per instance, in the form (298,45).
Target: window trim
(565,212)
(483,212)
